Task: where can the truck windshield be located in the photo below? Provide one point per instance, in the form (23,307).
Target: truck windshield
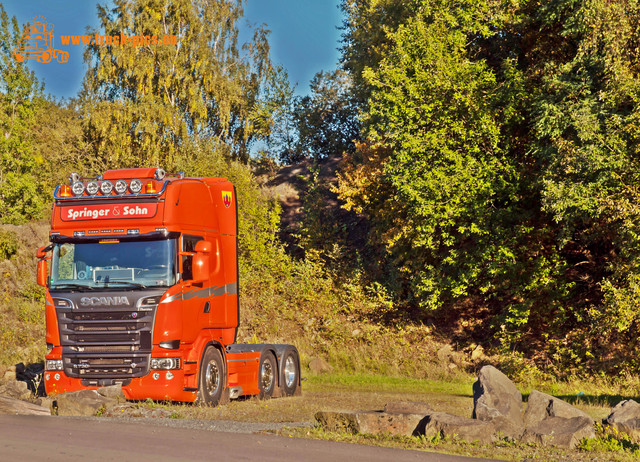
(115,264)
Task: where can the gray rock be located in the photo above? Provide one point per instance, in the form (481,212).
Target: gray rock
(15,389)
(9,376)
(559,431)
(408,407)
(478,354)
(625,417)
(497,400)
(14,406)
(81,403)
(373,422)
(45,402)
(448,425)
(113,392)
(444,354)
(319,365)
(541,406)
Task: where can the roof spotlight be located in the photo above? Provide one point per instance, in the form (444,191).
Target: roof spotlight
(106,187)
(121,186)
(93,187)
(160,173)
(73,178)
(77,187)
(135,186)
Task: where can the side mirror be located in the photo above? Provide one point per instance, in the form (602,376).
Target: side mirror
(201,261)
(41,277)
(42,251)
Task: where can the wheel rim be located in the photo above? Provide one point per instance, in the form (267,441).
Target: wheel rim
(267,375)
(289,372)
(212,378)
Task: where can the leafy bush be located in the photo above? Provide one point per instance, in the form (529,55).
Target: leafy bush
(8,244)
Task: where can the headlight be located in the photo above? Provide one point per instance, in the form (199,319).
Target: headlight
(165,364)
(54,365)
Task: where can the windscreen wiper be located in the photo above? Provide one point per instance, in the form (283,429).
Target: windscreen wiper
(135,284)
(71,286)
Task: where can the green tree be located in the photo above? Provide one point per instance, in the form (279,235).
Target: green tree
(21,196)
(143,102)
(326,120)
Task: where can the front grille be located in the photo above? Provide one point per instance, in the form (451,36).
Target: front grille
(106,367)
(113,344)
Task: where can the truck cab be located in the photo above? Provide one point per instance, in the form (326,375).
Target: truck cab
(142,290)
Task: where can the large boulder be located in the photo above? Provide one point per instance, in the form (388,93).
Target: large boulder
(541,406)
(81,403)
(497,400)
(372,422)
(625,417)
(15,406)
(15,389)
(448,425)
(559,431)
(112,392)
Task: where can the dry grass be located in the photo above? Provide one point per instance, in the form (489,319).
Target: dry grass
(22,328)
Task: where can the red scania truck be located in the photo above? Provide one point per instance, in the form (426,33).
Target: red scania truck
(142,291)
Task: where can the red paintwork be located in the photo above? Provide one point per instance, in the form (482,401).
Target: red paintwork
(201,206)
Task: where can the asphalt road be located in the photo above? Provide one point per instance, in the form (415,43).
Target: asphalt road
(44,438)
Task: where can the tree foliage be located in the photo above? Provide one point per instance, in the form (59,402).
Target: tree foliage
(499,163)
(20,100)
(143,102)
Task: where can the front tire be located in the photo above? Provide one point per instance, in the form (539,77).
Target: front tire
(267,375)
(211,381)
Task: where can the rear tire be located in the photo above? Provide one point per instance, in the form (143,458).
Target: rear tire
(290,373)
(211,380)
(267,375)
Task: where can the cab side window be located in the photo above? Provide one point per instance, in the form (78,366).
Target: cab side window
(188,245)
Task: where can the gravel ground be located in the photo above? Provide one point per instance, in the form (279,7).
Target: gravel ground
(212,425)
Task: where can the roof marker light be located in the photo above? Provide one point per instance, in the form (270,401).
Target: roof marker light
(135,186)
(121,186)
(65,191)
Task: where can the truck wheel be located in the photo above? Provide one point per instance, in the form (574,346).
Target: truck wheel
(290,373)
(267,375)
(45,57)
(211,382)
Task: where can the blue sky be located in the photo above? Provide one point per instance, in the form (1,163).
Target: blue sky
(304,36)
